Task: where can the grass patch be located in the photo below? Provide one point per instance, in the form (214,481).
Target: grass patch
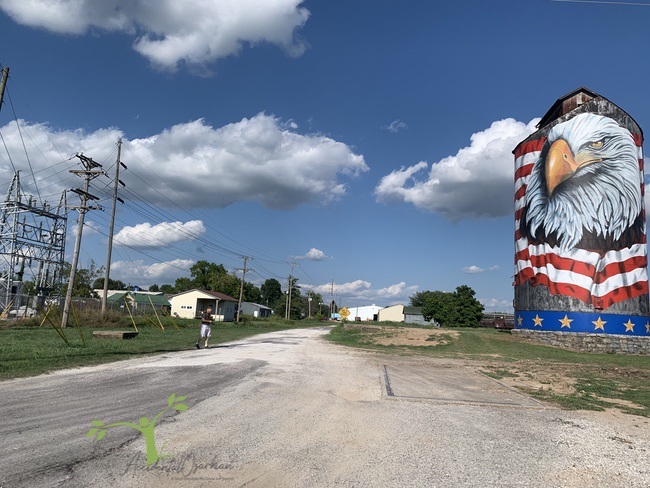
(595,392)
(595,381)
(31,350)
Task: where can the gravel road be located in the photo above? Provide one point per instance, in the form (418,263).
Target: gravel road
(307,413)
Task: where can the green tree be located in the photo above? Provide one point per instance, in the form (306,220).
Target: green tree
(421,297)
(84,279)
(450,309)
(112,284)
(169,289)
(297,304)
(154,288)
(205,275)
(227,284)
(251,293)
(441,307)
(271,292)
(469,309)
(305,307)
(29,288)
(182,284)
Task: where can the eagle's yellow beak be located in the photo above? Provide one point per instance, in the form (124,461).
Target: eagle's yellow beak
(561,164)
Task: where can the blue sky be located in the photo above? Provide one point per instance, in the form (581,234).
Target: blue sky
(369,140)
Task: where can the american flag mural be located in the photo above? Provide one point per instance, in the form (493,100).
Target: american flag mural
(580,228)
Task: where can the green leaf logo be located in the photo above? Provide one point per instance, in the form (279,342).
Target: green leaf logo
(144,426)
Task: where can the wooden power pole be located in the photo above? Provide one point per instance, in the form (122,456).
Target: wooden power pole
(89,172)
(118,182)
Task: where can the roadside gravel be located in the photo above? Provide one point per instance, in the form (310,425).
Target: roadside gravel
(317,415)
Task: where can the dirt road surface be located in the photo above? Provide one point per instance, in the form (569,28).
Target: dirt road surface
(302,412)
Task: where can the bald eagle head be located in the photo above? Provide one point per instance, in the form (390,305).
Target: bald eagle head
(585,188)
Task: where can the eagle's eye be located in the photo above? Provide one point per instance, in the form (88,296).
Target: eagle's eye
(597,144)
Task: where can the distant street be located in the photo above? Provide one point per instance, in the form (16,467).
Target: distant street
(290,409)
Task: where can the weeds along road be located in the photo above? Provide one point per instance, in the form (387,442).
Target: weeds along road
(289,409)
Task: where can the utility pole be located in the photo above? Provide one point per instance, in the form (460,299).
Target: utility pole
(293,264)
(3,83)
(89,172)
(118,182)
(332,303)
(241,288)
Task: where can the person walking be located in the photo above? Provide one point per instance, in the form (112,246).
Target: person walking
(206,322)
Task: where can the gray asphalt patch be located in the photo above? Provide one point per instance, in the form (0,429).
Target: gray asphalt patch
(449,385)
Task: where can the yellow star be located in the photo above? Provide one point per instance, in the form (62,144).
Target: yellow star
(537,320)
(520,320)
(599,324)
(566,321)
(629,326)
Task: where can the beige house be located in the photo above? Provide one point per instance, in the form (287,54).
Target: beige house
(394,313)
(191,304)
(401,313)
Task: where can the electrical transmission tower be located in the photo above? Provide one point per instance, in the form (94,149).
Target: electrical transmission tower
(32,236)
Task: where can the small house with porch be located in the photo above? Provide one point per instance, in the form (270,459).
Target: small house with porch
(191,304)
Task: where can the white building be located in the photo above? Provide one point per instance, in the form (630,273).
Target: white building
(255,309)
(364,313)
(191,304)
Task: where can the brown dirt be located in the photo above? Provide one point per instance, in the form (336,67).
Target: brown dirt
(391,336)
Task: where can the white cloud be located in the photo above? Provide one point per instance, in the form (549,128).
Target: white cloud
(496,305)
(476,182)
(313,255)
(259,159)
(168,32)
(395,126)
(475,269)
(90,227)
(160,235)
(361,291)
(147,274)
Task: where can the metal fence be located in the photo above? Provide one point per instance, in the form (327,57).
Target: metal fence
(27,306)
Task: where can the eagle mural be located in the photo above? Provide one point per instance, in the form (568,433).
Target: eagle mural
(586,187)
(580,219)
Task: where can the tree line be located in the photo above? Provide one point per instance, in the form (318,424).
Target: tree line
(450,309)
(204,275)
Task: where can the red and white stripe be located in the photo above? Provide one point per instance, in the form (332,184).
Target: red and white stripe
(601,280)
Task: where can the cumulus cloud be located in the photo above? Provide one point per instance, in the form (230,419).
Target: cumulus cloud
(395,126)
(361,291)
(475,269)
(259,158)
(146,274)
(168,32)
(313,255)
(90,227)
(145,235)
(476,182)
(497,305)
